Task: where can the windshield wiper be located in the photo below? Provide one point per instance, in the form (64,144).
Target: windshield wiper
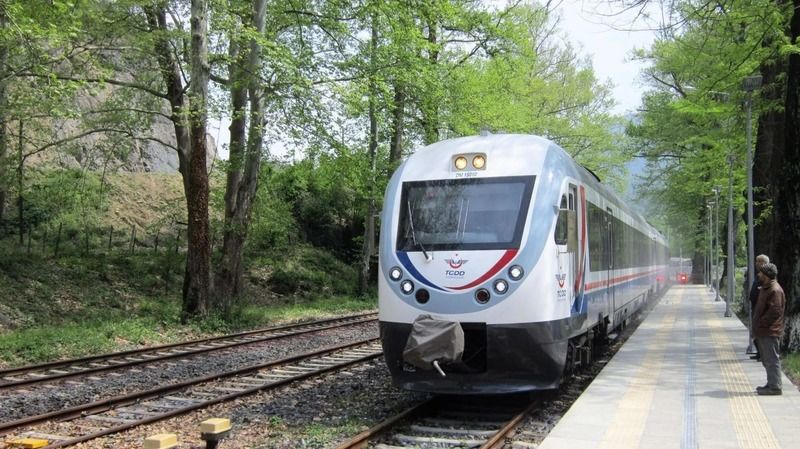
(414,234)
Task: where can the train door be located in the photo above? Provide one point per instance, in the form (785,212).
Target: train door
(566,237)
(608,256)
(572,225)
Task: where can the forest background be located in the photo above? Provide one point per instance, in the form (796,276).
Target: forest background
(92,89)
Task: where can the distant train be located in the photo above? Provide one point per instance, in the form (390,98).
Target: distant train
(680,270)
(502,262)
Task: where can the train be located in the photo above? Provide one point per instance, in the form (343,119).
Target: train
(680,270)
(503,264)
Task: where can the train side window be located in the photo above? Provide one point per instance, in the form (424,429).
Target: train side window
(572,221)
(562,227)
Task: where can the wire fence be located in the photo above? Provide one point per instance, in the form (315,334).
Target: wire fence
(62,240)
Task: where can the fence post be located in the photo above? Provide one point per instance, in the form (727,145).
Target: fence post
(133,238)
(155,249)
(30,231)
(58,238)
(110,235)
(177,241)
(44,242)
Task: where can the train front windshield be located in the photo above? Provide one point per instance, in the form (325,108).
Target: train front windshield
(463,214)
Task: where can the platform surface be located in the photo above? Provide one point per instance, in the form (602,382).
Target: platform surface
(682,381)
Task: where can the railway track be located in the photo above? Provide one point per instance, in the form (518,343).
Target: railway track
(85,366)
(86,422)
(454,421)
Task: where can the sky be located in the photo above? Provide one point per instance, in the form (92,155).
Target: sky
(602,32)
(596,29)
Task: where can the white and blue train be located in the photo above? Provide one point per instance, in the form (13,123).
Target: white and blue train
(502,261)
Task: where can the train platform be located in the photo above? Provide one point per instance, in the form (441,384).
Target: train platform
(682,380)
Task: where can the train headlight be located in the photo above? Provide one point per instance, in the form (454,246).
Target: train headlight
(460,162)
(407,286)
(395,273)
(516,272)
(479,161)
(500,286)
(482,296)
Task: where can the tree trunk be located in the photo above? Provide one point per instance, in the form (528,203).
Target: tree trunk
(21,185)
(171,73)
(787,207)
(369,220)
(3,115)
(176,95)
(398,118)
(242,181)
(430,106)
(196,286)
(768,158)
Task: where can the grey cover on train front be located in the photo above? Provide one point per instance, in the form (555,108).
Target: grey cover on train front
(431,340)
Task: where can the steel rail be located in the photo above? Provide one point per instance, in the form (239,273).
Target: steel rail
(312,327)
(93,358)
(110,404)
(495,441)
(360,441)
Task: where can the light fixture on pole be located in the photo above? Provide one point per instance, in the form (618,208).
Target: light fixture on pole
(709,209)
(750,84)
(715,256)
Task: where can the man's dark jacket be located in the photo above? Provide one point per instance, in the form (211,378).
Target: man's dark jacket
(768,314)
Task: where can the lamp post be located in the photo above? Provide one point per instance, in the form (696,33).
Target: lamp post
(750,84)
(709,207)
(715,258)
(731,256)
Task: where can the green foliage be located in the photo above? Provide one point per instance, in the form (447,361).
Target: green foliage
(317,203)
(77,306)
(692,126)
(791,366)
(72,197)
(311,272)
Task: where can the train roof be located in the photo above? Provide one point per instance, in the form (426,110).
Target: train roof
(533,148)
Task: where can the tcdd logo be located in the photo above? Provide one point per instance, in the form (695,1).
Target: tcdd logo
(455,262)
(561,278)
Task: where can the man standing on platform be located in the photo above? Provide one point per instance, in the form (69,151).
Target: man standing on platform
(768,327)
(761,259)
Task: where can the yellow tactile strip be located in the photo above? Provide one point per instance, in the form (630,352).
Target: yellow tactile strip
(751,425)
(627,426)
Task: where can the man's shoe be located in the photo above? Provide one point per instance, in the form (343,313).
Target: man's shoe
(769,391)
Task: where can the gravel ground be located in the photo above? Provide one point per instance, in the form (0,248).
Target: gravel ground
(325,411)
(319,413)
(17,404)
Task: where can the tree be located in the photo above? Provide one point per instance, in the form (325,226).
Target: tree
(4,77)
(787,214)
(710,50)
(196,283)
(245,151)
(530,83)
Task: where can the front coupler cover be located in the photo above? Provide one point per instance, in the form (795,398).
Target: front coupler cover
(433,340)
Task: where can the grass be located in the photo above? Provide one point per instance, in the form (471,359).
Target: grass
(74,306)
(115,332)
(791,366)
